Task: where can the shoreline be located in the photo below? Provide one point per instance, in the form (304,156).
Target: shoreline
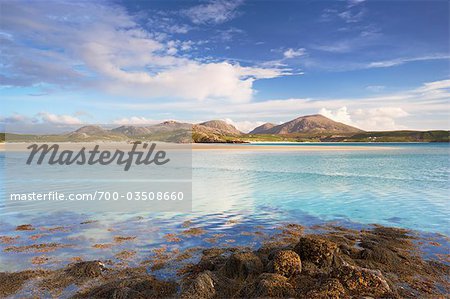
(327,262)
(227,146)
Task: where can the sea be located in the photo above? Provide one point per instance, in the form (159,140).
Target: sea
(237,193)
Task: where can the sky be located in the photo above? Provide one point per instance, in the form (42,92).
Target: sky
(376,65)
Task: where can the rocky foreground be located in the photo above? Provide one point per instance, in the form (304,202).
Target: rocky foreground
(341,263)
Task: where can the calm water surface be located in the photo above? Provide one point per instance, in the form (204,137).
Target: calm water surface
(236,191)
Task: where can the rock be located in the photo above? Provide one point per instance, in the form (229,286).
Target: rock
(242,265)
(379,254)
(361,281)
(88,269)
(269,285)
(12,282)
(286,263)
(25,227)
(144,286)
(213,258)
(331,289)
(317,250)
(201,287)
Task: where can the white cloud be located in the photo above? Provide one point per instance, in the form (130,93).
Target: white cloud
(339,115)
(91,45)
(351,16)
(61,119)
(14,119)
(41,118)
(214,12)
(244,126)
(436,86)
(421,108)
(399,61)
(291,53)
(134,120)
(378,119)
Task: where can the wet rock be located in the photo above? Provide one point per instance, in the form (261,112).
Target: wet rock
(380,255)
(25,227)
(88,269)
(201,287)
(362,281)
(242,265)
(269,285)
(213,258)
(286,263)
(12,282)
(317,250)
(331,289)
(137,287)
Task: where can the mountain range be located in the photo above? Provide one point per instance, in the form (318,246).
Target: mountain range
(305,128)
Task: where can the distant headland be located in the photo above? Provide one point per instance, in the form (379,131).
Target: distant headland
(309,128)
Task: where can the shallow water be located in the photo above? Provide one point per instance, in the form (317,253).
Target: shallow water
(235,192)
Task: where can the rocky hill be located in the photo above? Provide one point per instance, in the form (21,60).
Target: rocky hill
(313,124)
(262,128)
(215,131)
(221,127)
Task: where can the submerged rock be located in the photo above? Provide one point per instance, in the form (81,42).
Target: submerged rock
(317,250)
(12,282)
(242,265)
(25,227)
(132,288)
(286,263)
(88,269)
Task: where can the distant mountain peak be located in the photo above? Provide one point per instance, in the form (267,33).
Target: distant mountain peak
(262,128)
(90,130)
(315,124)
(221,127)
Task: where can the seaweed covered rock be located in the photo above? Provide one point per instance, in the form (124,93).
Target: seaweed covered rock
(331,289)
(316,250)
(372,252)
(12,282)
(242,265)
(286,263)
(132,287)
(213,258)
(88,269)
(268,285)
(201,287)
(362,281)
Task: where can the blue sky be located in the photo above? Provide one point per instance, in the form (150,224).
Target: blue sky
(378,65)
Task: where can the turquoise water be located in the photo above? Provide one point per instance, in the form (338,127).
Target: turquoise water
(407,186)
(403,185)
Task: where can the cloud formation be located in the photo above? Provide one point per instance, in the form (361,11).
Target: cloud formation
(134,120)
(393,111)
(291,53)
(379,119)
(399,61)
(213,12)
(41,118)
(100,46)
